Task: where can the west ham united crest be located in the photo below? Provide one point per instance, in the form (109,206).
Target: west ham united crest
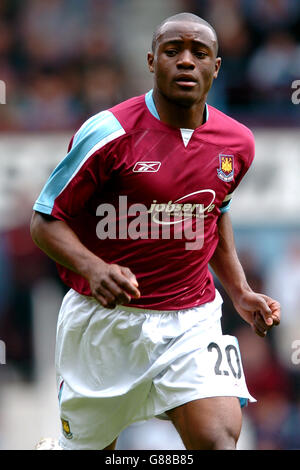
(226,168)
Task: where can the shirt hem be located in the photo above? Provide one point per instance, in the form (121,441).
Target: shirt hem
(149,308)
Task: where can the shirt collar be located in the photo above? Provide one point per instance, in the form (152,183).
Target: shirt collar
(152,108)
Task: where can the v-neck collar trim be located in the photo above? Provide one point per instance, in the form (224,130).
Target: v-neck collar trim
(152,108)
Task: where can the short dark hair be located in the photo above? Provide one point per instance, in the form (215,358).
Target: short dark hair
(183,17)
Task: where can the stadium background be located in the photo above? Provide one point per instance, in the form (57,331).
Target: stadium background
(63,60)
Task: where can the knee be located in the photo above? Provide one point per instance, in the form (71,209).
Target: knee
(224,441)
(215,439)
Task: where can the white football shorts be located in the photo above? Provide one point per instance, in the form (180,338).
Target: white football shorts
(122,365)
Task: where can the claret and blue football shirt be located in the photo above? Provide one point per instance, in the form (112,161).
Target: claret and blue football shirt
(130,182)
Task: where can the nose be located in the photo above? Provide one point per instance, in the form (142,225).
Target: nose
(186,60)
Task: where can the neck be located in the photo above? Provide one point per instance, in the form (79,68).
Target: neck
(177,115)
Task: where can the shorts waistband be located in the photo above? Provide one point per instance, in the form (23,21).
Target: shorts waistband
(130,309)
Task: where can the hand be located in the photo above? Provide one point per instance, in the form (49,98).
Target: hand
(112,284)
(259,310)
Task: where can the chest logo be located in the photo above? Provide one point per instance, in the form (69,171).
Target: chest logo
(226,168)
(146,167)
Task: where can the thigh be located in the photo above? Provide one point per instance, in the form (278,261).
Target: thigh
(208,423)
(111,446)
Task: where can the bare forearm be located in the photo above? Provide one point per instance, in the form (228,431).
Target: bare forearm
(259,310)
(225,262)
(110,284)
(61,244)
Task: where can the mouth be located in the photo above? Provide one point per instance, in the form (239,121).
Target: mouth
(186,81)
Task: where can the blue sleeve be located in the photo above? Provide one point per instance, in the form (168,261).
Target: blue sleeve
(94,134)
(226,205)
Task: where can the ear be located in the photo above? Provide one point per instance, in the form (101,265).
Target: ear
(150,60)
(217,66)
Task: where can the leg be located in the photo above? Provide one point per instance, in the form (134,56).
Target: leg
(208,424)
(111,446)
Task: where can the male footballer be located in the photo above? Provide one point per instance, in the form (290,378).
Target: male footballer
(133,216)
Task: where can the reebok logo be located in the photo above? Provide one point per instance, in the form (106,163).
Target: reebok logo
(146,167)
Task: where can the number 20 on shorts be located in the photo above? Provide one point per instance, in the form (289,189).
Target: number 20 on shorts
(227,361)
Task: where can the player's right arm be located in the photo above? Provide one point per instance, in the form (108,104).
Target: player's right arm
(84,170)
(110,284)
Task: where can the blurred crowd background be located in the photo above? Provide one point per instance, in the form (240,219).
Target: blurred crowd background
(64,60)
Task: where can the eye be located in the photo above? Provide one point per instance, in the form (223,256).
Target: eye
(171,52)
(200,54)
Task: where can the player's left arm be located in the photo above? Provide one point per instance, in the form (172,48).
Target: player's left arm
(259,310)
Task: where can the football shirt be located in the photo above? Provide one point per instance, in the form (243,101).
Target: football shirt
(143,194)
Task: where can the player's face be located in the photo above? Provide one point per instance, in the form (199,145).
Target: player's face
(184,62)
